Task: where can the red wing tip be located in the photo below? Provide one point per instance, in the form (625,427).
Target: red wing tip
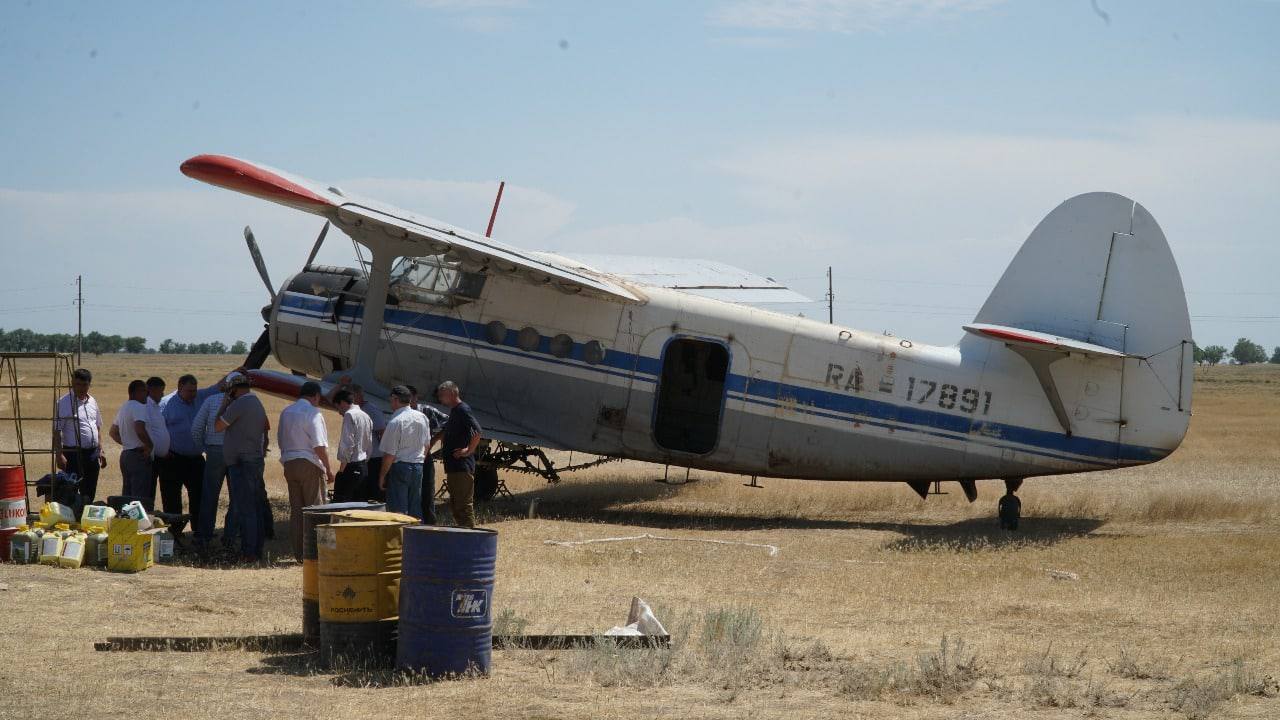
(242,176)
(1008,335)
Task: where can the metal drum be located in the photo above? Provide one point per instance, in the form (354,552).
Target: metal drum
(6,535)
(445,590)
(13,496)
(312,516)
(359,584)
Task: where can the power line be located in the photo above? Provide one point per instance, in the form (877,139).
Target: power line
(173,311)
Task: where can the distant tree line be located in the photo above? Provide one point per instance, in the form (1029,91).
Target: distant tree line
(95,343)
(1245,352)
(169,347)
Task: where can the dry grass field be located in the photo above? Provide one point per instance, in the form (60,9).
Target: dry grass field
(877,604)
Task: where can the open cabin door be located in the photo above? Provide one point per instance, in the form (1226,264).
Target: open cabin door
(689,405)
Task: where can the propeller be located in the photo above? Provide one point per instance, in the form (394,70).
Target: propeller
(258,262)
(261,349)
(316,248)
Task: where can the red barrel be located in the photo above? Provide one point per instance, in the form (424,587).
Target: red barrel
(13,497)
(5,535)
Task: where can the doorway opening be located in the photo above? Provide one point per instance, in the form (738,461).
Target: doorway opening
(691,396)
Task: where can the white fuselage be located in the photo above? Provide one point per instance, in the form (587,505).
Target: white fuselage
(796,398)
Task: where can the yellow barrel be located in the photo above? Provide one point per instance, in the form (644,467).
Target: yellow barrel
(359,515)
(364,547)
(359,591)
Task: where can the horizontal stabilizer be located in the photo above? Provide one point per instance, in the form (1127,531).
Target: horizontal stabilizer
(1033,340)
(706,278)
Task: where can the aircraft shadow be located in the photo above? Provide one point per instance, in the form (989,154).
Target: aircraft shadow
(607,503)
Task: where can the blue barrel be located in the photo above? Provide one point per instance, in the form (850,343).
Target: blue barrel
(446,585)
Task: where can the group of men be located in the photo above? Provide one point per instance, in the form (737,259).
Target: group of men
(195,438)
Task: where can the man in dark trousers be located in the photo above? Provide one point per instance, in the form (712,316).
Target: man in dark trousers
(77,434)
(461,437)
(435,421)
(243,422)
(1010,509)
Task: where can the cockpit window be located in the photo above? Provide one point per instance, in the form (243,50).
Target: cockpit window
(434,280)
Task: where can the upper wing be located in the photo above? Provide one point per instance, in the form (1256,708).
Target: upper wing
(426,236)
(708,278)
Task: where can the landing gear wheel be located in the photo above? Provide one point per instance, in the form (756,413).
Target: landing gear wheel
(1010,507)
(486,483)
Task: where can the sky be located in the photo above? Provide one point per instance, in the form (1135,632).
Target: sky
(910,144)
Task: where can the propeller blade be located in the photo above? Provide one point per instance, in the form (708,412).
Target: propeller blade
(258,262)
(316,248)
(260,351)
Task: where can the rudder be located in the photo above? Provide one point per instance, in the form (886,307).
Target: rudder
(1099,270)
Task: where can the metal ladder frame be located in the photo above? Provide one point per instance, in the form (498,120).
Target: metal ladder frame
(11,381)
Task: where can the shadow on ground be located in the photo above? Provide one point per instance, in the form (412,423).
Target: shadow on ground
(309,664)
(613,502)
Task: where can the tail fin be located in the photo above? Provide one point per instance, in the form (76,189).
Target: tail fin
(1098,270)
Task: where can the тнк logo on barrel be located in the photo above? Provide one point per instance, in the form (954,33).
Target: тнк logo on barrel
(472,603)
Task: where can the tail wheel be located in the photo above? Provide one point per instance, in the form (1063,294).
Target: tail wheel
(486,483)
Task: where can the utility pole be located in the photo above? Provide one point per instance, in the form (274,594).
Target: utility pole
(831,300)
(79,319)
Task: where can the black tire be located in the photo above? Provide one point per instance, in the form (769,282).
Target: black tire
(486,483)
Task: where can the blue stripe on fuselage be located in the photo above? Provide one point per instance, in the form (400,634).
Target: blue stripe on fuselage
(765,392)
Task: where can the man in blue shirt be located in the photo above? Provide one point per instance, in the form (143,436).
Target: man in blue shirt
(461,437)
(184,467)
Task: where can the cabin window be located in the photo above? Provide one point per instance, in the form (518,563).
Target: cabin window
(435,281)
(691,396)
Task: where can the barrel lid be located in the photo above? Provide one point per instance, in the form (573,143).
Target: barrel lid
(336,507)
(349,515)
(361,524)
(447,529)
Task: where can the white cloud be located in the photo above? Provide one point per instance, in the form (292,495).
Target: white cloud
(471,4)
(934,218)
(844,16)
(480,16)
(173,263)
(527,216)
(918,225)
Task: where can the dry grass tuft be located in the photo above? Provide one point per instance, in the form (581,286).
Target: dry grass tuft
(1199,697)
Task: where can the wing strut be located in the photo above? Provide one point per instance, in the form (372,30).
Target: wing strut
(1040,360)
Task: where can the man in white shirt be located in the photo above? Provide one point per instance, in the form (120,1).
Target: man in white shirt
(130,430)
(304,450)
(353,448)
(404,446)
(159,433)
(77,434)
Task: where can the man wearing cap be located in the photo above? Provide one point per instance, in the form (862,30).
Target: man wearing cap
(205,435)
(77,434)
(460,437)
(243,421)
(404,446)
(304,452)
